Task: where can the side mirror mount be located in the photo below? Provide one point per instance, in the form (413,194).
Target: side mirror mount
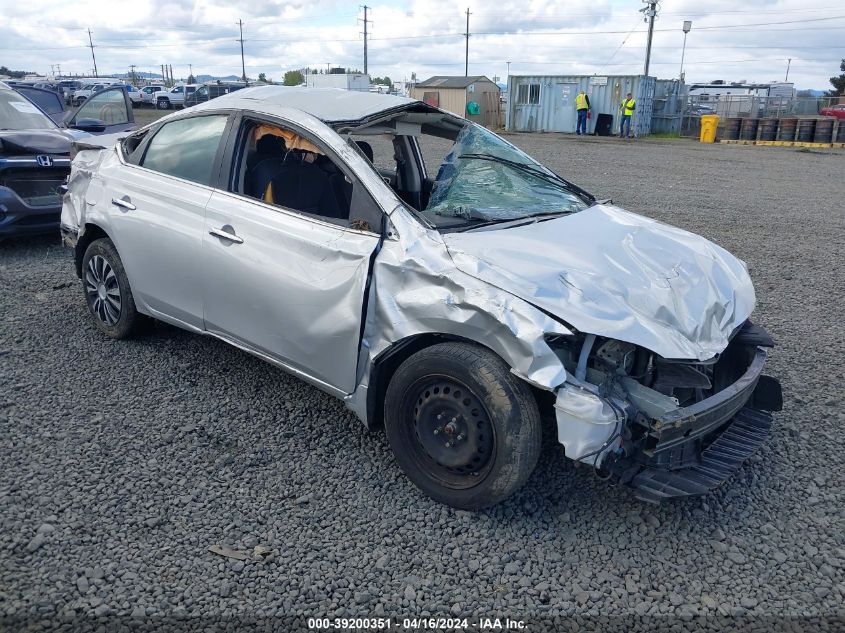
(89,125)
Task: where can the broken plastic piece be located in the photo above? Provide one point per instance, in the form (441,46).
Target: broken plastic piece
(228,552)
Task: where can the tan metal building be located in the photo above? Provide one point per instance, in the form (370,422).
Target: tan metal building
(463,96)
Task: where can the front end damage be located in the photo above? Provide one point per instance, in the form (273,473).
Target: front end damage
(667,428)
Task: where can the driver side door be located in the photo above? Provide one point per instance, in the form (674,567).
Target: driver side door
(104,112)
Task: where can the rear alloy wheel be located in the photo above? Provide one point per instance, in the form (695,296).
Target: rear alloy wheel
(107,292)
(462,427)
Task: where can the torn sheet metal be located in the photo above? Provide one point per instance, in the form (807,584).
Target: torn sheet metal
(609,272)
(417,290)
(82,171)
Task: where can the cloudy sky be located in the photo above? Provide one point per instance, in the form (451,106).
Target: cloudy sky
(729,40)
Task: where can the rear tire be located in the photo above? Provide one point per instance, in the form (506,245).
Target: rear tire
(163,104)
(464,429)
(107,291)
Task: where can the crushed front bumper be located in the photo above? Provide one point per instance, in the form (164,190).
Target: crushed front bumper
(693,450)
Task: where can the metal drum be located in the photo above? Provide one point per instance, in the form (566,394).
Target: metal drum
(824,131)
(748,131)
(786,129)
(768,130)
(806,130)
(732,127)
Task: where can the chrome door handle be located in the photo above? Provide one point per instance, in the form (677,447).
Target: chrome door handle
(226,235)
(124,203)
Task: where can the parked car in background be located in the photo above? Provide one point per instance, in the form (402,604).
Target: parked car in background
(835,110)
(212,90)
(89,89)
(68,86)
(147,93)
(35,151)
(135,95)
(454,301)
(173,98)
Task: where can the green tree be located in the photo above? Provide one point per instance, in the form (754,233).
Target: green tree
(838,83)
(263,77)
(14,74)
(293,78)
(384,81)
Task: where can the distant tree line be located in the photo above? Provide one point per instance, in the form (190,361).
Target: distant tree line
(15,74)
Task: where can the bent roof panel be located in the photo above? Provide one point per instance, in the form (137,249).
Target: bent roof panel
(327,104)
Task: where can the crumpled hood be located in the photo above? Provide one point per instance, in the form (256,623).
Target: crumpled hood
(23,142)
(612,273)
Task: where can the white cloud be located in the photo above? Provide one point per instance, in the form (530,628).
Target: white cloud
(425,36)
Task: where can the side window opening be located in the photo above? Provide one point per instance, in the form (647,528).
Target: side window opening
(283,168)
(187,148)
(132,149)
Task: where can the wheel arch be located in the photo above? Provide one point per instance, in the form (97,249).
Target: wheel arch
(90,233)
(384,366)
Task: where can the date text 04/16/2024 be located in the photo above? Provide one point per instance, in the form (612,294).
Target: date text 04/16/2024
(412,624)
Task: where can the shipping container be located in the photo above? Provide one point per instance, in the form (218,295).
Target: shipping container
(546,103)
(357,82)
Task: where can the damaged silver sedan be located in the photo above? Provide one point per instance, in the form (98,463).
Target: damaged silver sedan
(457,303)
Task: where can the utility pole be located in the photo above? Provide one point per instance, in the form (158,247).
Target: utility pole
(91,46)
(366,34)
(650,13)
(788,64)
(466,57)
(132,70)
(241,40)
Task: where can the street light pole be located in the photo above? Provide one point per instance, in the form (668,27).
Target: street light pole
(687,28)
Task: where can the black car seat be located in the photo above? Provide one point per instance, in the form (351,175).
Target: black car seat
(266,162)
(343,188)
(305,187)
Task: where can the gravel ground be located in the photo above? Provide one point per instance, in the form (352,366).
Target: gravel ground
(123,462)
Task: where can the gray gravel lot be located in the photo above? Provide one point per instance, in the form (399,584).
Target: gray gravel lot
(123,462)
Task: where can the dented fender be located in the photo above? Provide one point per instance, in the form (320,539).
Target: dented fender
(416,289)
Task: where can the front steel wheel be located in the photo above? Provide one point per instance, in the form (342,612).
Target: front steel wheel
(462,427)
(107,291)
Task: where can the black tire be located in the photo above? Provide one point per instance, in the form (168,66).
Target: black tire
(489,441)
(163,104)
(104,282)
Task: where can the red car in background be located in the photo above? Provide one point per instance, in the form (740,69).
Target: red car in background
(835,110)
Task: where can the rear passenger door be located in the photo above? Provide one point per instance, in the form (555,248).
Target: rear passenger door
(286,284)
(157,198)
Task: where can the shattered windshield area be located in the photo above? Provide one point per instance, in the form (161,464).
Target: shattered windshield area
(486,178)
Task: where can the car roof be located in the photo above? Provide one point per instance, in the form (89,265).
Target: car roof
(327,104)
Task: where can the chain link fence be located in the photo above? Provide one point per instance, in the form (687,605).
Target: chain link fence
(750,107)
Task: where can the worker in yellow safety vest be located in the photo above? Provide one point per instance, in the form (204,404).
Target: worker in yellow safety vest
(627,107)
(582,105)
